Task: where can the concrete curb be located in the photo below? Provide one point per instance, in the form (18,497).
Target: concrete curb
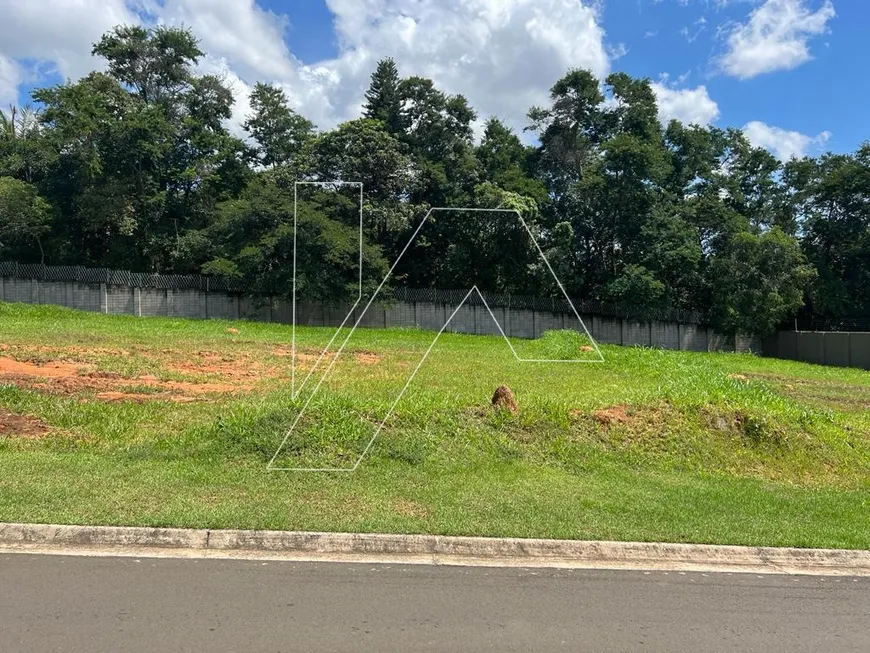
(425,549)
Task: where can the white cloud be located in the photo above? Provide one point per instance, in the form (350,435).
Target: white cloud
(238,31)
(10,78)
(59,32)
(688,105)
(692,33)
(776,37)
(502,54)
(784,144)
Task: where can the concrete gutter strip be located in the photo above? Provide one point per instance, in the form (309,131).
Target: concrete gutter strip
(429,549)
(95,536)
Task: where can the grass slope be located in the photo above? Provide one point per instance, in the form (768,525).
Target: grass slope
(650,445)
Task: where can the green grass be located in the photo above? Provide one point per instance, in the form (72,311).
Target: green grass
(650,445)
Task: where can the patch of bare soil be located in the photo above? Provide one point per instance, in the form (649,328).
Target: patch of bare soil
(246,370)
(613,415)
(367,358)
(637,424)
(53,370)
(26,427)
(301,357)
(73,379)
(64,353)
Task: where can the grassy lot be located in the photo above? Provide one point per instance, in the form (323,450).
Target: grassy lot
(168,422)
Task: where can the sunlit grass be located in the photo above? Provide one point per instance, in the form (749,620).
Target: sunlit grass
(649,445)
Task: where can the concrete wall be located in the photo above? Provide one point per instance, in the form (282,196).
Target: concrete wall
(469,318)
(841,349)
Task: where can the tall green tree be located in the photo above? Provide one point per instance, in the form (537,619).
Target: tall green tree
(280,132)
(25,218)
(156,64)
(758,281)
(253,241)
(509,164)
(383,99)
(830,199)
(142,153)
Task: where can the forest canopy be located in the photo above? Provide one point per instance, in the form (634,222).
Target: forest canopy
(135,168)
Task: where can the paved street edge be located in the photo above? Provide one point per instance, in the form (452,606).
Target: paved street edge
(425,549)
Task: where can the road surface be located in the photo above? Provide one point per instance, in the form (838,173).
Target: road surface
(59,603)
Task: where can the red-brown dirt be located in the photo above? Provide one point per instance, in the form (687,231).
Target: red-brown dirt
(613,415)
(54,370)
(13,425)
(368,358)
(74,378)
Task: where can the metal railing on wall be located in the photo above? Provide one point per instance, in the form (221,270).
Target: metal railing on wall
(851,324)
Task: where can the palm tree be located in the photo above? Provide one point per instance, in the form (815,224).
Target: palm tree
(19,123)
(7,122)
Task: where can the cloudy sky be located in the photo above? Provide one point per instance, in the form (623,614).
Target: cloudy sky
(791,72)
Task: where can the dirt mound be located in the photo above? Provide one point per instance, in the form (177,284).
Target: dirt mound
(612,415)
(13,425)
(504,398)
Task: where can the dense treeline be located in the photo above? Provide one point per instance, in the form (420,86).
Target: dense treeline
(134,168)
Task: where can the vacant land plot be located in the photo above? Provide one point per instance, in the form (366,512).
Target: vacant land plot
(166,422)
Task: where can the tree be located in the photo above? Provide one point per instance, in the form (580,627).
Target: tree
(25,218)
(135,168)
(142,153)
(362,150)
(253,239)
(279,131)
(758,282)
(155,64)
(23,154)
(751,183)
(829,199)
(570,130)
(383,100)
(509,164)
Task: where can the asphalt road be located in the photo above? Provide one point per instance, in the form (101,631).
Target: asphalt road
(53,603)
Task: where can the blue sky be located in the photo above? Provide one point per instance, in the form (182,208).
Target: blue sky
(788,71)
(826,93)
